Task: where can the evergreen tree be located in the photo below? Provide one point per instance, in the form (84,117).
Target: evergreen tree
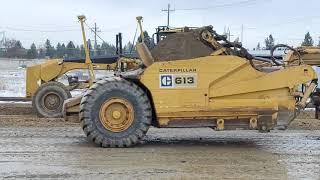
(42,53)
(90,47)
(147,40)
(269,42)
(59,53)
(98,50)
(18,45)
(63,50)
(107,49)
(32,53)
(50,51)
(319,43)
(308,41)
(70,49)
(258,47)
(77,51)
(82,51)
(129,48)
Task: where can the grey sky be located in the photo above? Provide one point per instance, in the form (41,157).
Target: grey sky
(34,20)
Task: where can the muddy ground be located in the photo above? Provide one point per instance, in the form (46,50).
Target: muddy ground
(53,149)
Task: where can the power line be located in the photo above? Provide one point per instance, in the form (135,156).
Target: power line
(37,30)
(292,21)
(47,26)
(246,2)
(95,32)
(287,22)
(20,29)
(117,28)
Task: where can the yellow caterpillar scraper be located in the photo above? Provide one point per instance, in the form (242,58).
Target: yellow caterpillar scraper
(227,89)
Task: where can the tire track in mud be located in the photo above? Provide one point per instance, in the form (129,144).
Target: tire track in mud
(64,152)
(32,147)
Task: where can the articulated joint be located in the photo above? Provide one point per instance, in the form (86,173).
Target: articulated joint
(303,103)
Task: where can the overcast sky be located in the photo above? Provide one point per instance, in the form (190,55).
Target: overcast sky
(36,20)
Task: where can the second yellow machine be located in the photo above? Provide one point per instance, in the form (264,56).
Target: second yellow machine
(48,94)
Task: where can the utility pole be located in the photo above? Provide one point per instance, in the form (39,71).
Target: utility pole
(227,33)
(242,33)
(168,14)
(3,40)
(95,38)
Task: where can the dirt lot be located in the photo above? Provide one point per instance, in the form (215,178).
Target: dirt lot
(53,149)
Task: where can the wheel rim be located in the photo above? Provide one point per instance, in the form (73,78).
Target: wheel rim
(51,101)
(116,114)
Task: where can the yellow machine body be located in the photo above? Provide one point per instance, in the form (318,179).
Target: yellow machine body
(53,69)
(224,89)
(211,90)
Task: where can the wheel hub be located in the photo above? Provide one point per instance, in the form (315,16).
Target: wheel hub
(51,101)
(116,114)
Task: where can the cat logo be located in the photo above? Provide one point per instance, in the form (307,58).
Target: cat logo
(166,81)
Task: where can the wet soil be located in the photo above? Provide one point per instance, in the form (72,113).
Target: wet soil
(61,151)
(41,148)
(16,108)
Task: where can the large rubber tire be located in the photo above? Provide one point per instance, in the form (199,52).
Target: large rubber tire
(104,91)
(48,99)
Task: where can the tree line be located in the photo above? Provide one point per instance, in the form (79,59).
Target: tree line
(270,42)
(13,49)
